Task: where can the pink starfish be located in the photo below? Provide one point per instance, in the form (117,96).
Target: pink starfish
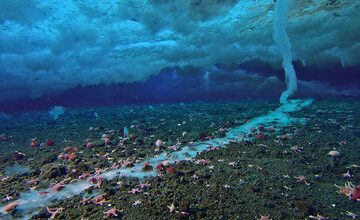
(127,163)
(144,185)
(134,191)
(96,179)
(33,182)
(302,179)
(112,213)
(54,211)
(115,166)
(174,148)
(43,193)
(84,175)
(264,217)
(296,149)
(99,200)
(58,186)
(99,170)
(203,162)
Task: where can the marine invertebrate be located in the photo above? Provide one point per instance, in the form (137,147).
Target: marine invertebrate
(11,206)
(89,144)
(170,170)
(302,179)
(128,163)
(85,201)
(147,166)
(69,154)
(334,153)
(350,190)
(50,143)
(112,213)
(84,175)
(264,217)
(34,143)
(99,200)
(160,167)
(260,136)
(32,182)
(159,143)
(203,162)
(58,186)
(172,208)
(54,211)
(296,149)
(134,191)
(137,202)
(174,148)
(144,185)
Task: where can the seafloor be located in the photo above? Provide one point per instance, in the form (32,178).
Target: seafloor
(284,174)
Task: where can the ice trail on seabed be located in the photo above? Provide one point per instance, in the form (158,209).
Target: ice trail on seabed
(30,202)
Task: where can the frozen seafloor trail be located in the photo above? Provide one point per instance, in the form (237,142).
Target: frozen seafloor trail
(30,202)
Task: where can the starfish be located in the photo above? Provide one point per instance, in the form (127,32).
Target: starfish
(264,217)
(171,208)
(134,191)
(296,149)
(54,211)
(302,179)
(7,198)
(226,186)
(185,214)
(33,187)
(99,171)
(318,217)
(58,186)
(43,193)
(11,206)
(232,163)
(203,161)
(144,185)
(99,200)
(84,175)
(33,182)
(84,201)
(112,213)
(175,148)
(5,178)
(351,214)
(137,202)
(347,174)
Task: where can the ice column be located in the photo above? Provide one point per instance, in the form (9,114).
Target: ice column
(282,40)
